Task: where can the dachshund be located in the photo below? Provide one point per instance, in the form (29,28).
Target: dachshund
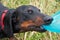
(22,19)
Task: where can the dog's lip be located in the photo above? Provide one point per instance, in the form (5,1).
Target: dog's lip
(38,23)
(41,27)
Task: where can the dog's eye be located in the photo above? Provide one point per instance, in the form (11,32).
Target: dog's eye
(30,11)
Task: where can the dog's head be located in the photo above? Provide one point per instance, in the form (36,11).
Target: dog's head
(30,18)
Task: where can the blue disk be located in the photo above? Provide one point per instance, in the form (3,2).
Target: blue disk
(55,25)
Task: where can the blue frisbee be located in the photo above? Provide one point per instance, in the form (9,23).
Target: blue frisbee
(55,25)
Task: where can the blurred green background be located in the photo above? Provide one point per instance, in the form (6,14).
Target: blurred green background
(46,6)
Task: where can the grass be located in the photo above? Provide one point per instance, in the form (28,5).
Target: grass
(47,6)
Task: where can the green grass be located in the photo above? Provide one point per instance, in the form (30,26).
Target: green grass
(47,6)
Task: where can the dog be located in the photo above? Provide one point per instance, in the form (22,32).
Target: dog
(22,19)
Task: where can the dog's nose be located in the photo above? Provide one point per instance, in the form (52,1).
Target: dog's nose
(48,20)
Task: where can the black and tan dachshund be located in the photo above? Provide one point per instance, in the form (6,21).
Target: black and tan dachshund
(22,19)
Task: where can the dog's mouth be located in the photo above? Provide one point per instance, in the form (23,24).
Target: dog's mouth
(31,23)
(32,26)
(37,28)
(36,25)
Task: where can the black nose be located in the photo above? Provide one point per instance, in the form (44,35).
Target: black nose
(48,20)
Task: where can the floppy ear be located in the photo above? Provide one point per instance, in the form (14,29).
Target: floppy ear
(17,18)
(8,29)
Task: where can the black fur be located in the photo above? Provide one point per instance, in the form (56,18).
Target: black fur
(12,24)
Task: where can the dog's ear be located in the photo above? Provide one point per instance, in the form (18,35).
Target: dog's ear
(8,30)
(16,19)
